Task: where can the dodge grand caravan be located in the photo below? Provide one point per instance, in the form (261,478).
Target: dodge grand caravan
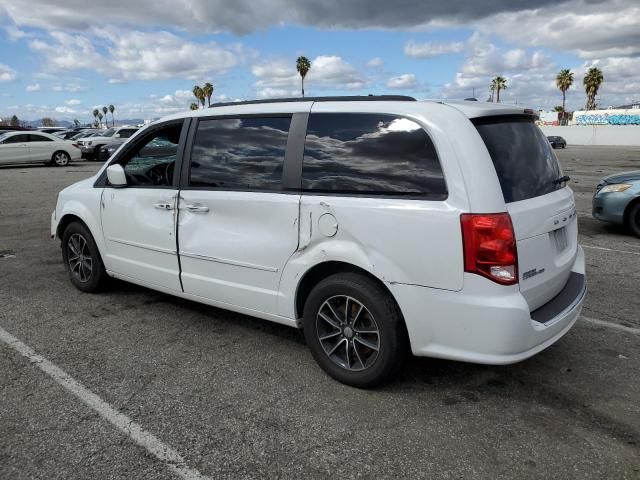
(378,225)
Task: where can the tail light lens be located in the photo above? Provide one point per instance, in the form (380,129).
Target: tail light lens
(490,246)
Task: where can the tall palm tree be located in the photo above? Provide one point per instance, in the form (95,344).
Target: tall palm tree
(194,106)
(592,81)
(564,80)
(207,90)
(199,94)
(113,120)
(303,65)
(499,83)
(100,118)
(95,116)
(492,89)
(106,121)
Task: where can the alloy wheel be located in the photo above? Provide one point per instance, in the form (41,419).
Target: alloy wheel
(79,258)
(348,333)
(61,159)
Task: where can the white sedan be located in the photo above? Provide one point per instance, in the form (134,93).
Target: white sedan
(36,147)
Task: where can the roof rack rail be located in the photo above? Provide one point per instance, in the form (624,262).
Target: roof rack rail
(345,98)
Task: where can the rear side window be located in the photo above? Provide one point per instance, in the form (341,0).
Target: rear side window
(239,153)
(522,156)
(126,133)
(39,138)
(370,154)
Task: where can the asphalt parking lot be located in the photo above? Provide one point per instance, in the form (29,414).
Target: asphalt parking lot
(237,397)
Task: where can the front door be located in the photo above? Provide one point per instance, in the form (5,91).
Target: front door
(15,149)
(40,148)
(139,221)
(237,227)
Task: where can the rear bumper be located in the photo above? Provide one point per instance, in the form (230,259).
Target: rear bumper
(485,323)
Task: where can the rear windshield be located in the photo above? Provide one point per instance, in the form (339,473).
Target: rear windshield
(523,158)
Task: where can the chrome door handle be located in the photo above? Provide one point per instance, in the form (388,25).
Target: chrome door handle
(195,207)
(163,206)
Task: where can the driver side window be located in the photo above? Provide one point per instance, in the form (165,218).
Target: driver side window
(151,163)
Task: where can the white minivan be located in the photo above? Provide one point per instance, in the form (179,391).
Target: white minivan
(379,225)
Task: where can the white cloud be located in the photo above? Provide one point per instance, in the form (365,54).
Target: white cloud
(6,73)
(73,101)
(375,62)
(327,72)
(14,33)
(33,88)
(65,110)
(430,49)
(136,55)
(405,81)
(68,87)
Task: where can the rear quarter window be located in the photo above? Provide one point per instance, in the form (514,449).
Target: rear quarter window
(370,154)
(522,156)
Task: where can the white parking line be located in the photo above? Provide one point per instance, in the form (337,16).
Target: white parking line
(163,452)
(610,249)
(612,325)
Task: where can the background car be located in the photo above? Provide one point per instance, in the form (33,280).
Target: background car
(90,147)
(36,147)
(106,151)
(617,200)
(557,142)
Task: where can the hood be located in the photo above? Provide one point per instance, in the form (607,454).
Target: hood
(623,177)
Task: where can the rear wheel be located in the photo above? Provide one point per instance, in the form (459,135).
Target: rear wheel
(633,218)
(354,330)
(82,259)
(60,159)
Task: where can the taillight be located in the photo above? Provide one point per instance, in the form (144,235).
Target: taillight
(490,246)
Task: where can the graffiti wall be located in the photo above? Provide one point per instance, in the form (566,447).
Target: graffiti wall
(607,117)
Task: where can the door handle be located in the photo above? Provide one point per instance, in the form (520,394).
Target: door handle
(196,207)
(163,206)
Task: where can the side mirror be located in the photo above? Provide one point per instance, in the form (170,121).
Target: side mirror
(116,176)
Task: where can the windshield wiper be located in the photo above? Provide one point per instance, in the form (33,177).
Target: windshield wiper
(560,180)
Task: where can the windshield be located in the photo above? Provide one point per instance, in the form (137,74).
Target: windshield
(522,156)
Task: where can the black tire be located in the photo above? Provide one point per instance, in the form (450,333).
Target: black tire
(60,158)
(369,368)
(77,237)
(633,218)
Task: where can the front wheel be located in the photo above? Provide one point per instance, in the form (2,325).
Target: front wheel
(355,330)
(82,259)
(61,159)
(633,219)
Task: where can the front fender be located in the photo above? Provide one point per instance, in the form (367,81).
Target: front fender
(88,211)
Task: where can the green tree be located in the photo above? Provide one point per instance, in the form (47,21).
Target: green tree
(492,90)
(105,110)
(592,82)
(499,83)
(76,122)
(564,80)
(207,91)
(558,108)
(199,94)
(100,116)
(303,65)
(194,106)
(14,121)
(113,119)
(48,122)
(95,116)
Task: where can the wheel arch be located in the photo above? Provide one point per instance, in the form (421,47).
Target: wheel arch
(322,270)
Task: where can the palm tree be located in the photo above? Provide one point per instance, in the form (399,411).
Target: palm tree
(100,118)
(207,90)
(564,80)
(194,106)
(199,94)
(303,65)
(113,120)
(592,81)
(492,89)
(95,116)
(499,83)
(105,110)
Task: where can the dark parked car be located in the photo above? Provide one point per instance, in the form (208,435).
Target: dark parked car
(617,200)
(107,150)
(557,142)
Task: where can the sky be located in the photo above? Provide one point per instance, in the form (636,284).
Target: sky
(63,58)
